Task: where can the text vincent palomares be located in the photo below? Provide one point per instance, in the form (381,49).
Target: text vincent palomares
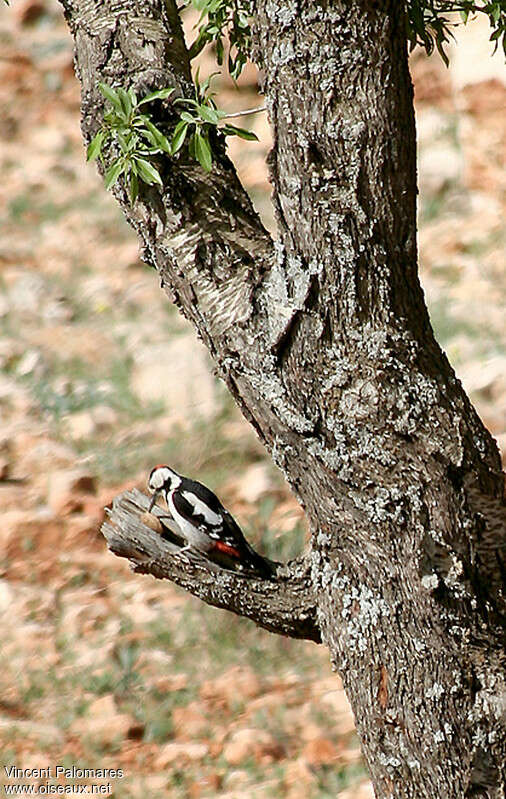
(73,772)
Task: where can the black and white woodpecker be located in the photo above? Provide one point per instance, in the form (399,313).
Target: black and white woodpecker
(204,522)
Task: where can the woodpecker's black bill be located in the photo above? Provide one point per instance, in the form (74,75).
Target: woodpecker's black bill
(153,501)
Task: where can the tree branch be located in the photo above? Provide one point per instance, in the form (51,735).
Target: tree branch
(283,604)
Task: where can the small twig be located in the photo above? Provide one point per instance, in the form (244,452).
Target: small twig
(247,111)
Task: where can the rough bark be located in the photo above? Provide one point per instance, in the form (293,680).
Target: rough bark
(324,340)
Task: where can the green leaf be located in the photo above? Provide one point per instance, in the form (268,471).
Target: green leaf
(133,97)
(439,45)
(236,66)
(203,151)
(161,94)
(178,137)
(200,4)
(211,115)
(198,45)
(132,141)
(123,141)
(148,136)
(204,87)
(134,186)
(186,101)
(191,147)
(220,50)
(126,102)
(139,119)
(186,117)
(158,137)
(111,95)
(113,173)
(232,130)
(196,80)
(95,145)
(147,172)
(111,117)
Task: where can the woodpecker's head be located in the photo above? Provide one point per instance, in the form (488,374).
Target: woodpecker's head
(162,478)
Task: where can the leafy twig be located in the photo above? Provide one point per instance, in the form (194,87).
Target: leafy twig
(129,128)
(428,26)
(221,20)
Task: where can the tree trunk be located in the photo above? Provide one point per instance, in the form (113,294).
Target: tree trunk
(324,341)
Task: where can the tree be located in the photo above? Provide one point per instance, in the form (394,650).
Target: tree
(324,340)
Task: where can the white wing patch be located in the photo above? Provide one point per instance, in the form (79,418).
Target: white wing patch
(201,509)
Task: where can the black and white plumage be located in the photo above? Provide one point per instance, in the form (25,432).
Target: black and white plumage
(204,522)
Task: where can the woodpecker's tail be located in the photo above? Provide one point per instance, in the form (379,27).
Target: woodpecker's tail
(255,563)
(250,563)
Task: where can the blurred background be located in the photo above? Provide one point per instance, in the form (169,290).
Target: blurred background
(101,379)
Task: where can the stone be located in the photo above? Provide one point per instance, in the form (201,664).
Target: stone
(5,466)
(31,363)
(237,779)
(51,734)
(247,743)
(235,683)
(501,441)
(104,417)
(319,752)
(10,351)
(297,772)
(167,683)
(79,425)
(189,721)
(180,752)
(27,293)
(204,785)
(6,457)
(102,722)
(103,706)
(362,791)
(65,490)
(440,167)
(18,527)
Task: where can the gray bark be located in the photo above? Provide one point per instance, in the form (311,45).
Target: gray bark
(323,339)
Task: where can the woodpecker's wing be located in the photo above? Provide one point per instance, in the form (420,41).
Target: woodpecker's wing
(198,513)
(202,494)
(231,530)
(210,517)
(201,508)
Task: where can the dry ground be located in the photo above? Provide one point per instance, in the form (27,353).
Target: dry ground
(100,379)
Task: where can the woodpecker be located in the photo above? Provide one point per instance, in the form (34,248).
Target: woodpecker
(204,522)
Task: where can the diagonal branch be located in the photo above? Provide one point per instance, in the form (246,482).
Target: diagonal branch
(283,604)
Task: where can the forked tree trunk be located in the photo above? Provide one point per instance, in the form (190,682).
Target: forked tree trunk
(324,341)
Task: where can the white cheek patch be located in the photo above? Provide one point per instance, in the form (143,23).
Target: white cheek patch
(158,479)
(201,509)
